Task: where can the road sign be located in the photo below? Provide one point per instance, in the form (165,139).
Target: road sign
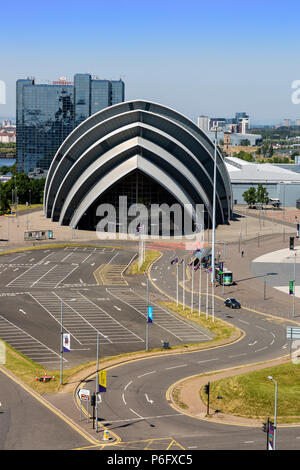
(150,314)
(66,342)
(102,381)
(292,332)
(84,394)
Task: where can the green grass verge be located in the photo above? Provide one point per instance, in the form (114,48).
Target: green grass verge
(220,330)
(27,370)
(252,395)
(150,257)
(23,207)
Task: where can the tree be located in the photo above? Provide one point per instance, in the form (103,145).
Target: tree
(250,197)
(4,203)
(271,151)
(262,195)
(245,142)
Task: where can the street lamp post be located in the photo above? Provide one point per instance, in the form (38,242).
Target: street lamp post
(294,296)
(275,409)
(207,274)
(192,296)
(147,323)
(214,227)
(61,339)
(200,287)
(177,284)
(97,379)
(61,342)
(183,286)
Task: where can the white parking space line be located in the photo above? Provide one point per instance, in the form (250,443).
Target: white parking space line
(35,282)
(83,319)
(25,343)
(161,317)
(42,275)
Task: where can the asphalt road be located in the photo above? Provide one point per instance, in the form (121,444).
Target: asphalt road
(27,424)
(135,405)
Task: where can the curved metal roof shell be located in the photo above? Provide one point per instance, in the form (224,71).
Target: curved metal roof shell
(148,135)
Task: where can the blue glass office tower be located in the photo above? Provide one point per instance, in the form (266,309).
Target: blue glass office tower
(46,114)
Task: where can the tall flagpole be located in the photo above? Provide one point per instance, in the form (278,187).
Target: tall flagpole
(213,229)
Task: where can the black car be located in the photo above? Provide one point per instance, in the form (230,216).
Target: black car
(232,303)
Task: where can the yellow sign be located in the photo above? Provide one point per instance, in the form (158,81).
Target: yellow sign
(102,381)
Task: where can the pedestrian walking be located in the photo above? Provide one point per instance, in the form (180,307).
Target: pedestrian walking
(242,253)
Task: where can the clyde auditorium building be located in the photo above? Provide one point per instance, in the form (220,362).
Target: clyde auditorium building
(139,149)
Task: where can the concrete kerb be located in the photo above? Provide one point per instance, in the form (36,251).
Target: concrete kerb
(226,421)
(58,245)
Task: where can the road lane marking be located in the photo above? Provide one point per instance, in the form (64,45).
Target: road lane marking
(238,355)
(129,383)
(175,367)
(243,321)
(262,349)
(141,417)
(134,419)
(148,399)
(147,373)
(207,360)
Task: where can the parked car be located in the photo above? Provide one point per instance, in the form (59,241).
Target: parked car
(232,303)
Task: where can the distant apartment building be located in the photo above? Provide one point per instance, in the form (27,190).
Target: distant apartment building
(203,123)
(238,124)
(286,122)
(297,122)
(243,125)
(7,124)
(47,113)
(7,137)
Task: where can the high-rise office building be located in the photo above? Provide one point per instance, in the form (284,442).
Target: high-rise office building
(47,113)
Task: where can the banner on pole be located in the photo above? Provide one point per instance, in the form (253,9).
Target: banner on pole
(150,314)
(271,436)
(292,288)
(102,381)
(66,342)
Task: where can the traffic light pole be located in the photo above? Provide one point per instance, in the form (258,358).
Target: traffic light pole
(207,389)
(268,429)
(97,379)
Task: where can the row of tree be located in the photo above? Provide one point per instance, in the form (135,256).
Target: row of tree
(256,196)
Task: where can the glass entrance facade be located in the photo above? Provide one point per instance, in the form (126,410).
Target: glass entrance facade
(137,188)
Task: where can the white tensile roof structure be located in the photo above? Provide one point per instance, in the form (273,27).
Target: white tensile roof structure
(241,171)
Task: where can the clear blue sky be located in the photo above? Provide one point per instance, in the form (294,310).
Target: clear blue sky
(213,57)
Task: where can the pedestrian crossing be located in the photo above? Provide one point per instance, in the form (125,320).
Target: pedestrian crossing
(27,344)
(163,318)
(83,319)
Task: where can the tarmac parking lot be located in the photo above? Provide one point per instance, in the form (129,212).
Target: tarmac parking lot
(87,286)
